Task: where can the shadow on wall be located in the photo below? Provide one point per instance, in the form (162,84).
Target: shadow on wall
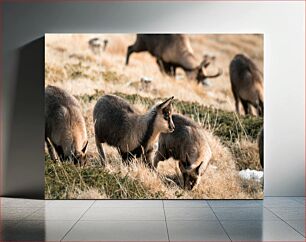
(24,164)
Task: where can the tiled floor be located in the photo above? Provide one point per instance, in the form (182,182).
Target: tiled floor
(274,219)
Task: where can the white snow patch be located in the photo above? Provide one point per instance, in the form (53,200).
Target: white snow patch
(251,174)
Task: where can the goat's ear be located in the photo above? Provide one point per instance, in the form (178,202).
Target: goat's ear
(85,147)
(199,169)
(165,103)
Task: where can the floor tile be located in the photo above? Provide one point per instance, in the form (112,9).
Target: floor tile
(196,231)
(124,214)
(300,200)
(39,230)
(281,202)
(186,219)
(185,203)
(189,214)
(244,214)
(261,231)
(235,203)
(118,231)
(70,204)
(57,214)
(298,225)
(128,204)
(21,203)
(290,213)
(10,213)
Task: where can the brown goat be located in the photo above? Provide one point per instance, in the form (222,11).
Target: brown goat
(65,130)
(172,51)
(118,124)
(247,84)
(189,146)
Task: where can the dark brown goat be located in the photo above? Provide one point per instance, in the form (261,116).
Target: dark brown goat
(173,51)
(247,84)
(187,144)
(65,129)
(120,125)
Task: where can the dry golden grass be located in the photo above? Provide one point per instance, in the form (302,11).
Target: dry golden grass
(246,154)
(62,63)
(220,181)
(71,64)
(91,193)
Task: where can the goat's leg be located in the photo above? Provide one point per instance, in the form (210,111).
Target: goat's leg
(161,65)
(130,50)
(261,106)
(138,46)
(236,102)
(246,107)
(168,68)
(158,158)
(51,150)
(100,151)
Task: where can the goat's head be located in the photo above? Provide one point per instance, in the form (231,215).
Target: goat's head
(164,122)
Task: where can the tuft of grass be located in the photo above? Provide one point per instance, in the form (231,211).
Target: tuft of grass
(54,73)
(111,76)
(80,70)
(246,154)
(65,181)
(252,187)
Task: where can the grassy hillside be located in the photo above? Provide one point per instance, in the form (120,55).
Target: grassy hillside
(70,64)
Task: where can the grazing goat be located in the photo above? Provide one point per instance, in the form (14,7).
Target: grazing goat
(118,124)
(65,130)
(247,84)
(189,146)
(172,51)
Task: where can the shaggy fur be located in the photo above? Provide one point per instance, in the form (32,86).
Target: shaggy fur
(118,124)
(247,84)
(189,146)
(172,51)
(65,129)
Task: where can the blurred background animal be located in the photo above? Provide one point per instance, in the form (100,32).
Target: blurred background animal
(189,146)
(65,130)
(95,44)
(247,84)
(173,51)
(119,124)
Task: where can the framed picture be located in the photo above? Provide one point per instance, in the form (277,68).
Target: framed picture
(154,116)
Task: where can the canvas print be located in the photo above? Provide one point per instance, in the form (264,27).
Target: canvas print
(154,116)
